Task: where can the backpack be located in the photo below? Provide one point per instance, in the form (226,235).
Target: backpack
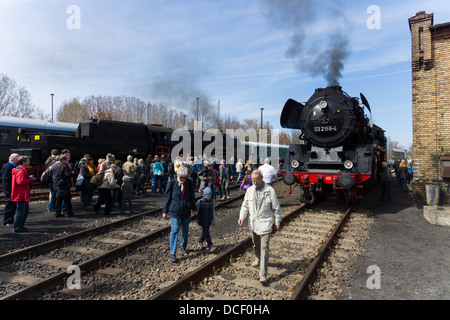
(98,178)
(170,168)
(45,177)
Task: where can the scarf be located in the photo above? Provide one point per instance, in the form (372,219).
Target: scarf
(182,186)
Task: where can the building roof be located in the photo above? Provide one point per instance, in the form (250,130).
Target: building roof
(440,31)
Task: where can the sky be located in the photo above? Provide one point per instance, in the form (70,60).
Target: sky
(240,53)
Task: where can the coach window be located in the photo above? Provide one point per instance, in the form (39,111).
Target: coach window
(5,135)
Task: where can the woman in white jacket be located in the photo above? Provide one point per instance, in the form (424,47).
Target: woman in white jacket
(262,207)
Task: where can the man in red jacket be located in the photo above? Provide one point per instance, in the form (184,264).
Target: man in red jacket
(21,193)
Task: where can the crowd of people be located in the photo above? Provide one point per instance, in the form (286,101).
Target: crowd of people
(403,170)
(115,182)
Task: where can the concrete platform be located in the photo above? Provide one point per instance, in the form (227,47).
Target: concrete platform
(437,215)
(413,255)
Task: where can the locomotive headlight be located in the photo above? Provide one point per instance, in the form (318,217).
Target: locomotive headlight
(295,164)
(348,164)
(323,104)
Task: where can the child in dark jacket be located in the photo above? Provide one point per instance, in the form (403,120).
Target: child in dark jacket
(206,217)
(127,194)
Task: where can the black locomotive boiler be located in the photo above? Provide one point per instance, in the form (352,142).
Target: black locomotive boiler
(343,150)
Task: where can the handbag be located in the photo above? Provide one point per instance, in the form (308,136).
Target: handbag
(80,180)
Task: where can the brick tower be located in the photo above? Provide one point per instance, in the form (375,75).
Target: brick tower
(430,102)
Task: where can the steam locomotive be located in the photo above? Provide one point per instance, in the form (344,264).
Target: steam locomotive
(343,150)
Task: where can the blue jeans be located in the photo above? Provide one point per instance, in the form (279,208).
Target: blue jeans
(386,190)
(174,229)
(403,184)
(23,207)
(124,200)
(205,236)
(51,205)
(160,183)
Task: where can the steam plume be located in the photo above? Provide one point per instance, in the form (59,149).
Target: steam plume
(315,55)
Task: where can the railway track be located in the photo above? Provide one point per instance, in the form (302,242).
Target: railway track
(135,254)
(297,252)
(116,238)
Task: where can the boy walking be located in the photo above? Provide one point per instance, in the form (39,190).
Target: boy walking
(206,217)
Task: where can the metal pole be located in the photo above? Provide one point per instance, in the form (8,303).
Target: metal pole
(262,109)
(197,107)
(52,94)
(218,115)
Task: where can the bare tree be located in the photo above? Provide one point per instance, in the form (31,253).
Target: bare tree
(15,101)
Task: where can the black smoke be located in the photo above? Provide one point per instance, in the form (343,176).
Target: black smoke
(316,55)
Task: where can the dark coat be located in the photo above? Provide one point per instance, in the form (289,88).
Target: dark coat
(176,204)
(386,174)
(84,171)
(62,178)
(127,192)
(403,172)
(118,176)
(7,177)
(206,212)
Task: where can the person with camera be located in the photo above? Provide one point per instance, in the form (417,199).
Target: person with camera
(20,194)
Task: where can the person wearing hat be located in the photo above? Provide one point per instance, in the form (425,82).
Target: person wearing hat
(206,217)
(127,194)
(106,164)
(129,169)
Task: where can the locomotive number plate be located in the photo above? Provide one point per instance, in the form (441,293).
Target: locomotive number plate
(325,129)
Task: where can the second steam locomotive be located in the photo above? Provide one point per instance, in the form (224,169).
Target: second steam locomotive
(343,150)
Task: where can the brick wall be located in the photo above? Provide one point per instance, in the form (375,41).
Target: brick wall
(430,54)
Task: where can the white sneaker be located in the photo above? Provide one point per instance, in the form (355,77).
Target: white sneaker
(255,263)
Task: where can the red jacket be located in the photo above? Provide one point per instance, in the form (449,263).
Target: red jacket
(20,184)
